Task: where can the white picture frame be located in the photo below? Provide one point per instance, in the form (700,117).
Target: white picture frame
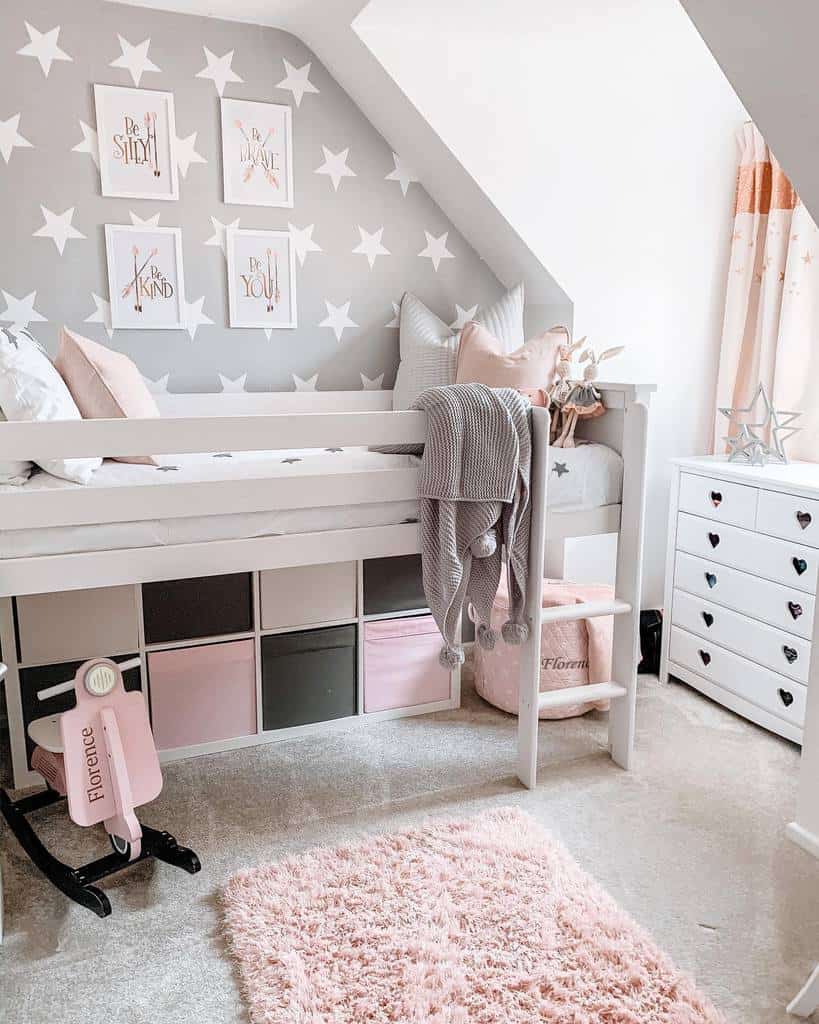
(136,129)
(261,268)
(257,153)
(146,280)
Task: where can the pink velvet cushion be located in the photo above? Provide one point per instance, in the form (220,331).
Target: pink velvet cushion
(104,384)
(481,360)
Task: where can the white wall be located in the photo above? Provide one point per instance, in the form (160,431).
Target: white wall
(605,135)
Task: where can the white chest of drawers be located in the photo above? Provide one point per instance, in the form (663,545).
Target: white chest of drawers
(741,581)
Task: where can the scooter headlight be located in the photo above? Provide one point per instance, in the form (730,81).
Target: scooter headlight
(100,680)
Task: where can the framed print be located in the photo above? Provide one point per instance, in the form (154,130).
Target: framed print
(261,278)
(145,278)
(137,140)
(257,153)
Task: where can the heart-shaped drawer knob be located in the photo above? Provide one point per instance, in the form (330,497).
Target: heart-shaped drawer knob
(714,539)
(716,498)
(785,696)
(804,519)
(800,565)
(711,579)
(795,609)
(708,619)
(706,657)
(791,654)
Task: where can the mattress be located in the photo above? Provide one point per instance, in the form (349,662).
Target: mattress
(579,478)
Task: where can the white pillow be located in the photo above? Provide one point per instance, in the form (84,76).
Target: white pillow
(428,348)
(31,389)
(13,472)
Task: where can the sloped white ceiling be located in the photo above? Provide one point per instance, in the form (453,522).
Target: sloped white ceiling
(768,52)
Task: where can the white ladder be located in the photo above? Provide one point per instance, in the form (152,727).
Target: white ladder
(622,690)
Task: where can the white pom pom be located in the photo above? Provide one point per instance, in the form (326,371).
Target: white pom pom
(485,545)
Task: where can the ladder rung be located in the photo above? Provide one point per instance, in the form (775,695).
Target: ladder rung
(580,695)
(584,610)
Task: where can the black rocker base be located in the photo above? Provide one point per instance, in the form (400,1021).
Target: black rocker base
(77,883)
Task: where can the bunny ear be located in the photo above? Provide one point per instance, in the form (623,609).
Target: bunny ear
(610,352)
(588,354)
(577,344)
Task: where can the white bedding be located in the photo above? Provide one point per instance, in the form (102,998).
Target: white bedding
(580,478)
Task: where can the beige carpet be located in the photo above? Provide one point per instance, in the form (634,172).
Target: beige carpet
(690,843)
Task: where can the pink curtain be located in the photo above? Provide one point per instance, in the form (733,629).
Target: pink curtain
(771,328)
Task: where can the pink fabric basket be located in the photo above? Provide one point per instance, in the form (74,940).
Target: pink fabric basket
(401,667)
(572,653)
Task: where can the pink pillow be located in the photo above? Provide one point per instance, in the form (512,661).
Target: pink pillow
(104,384)
(481,360)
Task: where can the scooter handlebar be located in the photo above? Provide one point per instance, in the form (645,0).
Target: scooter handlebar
(58,688)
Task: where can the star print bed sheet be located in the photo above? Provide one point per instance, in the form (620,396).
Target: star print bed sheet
(579,478)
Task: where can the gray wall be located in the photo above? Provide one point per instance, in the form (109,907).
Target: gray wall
(52,175)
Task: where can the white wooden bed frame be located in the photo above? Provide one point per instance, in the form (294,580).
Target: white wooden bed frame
(248,422)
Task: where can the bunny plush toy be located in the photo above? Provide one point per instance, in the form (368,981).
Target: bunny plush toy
(582,399)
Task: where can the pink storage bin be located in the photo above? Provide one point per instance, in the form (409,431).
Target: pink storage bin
(202,694)
(401,667)
(567,658)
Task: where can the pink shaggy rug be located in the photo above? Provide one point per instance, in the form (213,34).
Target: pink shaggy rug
(484,921)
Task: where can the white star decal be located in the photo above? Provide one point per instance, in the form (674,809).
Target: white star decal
(148,222)
(10,138)
(401,174)
(302,239)
(58,228)
(102,314)
(371,385)
(436,249)
(396,317)
(43,46)
(219,236)
(159,386)
(20,312)
(218,70)
(90,143)
(134,59)
(268,332)
(186,154)
(194,317)
(296,80)
(305,385)
(370,245)
(335,166)
(338,318)
(233,386)
(463,316)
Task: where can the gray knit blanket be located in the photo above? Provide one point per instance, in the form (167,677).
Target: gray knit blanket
(475,510)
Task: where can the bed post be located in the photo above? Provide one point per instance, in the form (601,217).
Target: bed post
(626,642)
(529,683)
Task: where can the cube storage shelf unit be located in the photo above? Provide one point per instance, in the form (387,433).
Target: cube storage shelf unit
(245,658)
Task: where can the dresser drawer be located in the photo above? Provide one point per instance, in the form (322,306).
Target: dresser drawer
(789,516)
(778,560)
(777,650)
(774,693)
(782,607)
(718,500)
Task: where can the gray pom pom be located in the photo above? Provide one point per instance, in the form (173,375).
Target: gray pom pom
(515,633)
(450,657)
(486,637)
(485,545)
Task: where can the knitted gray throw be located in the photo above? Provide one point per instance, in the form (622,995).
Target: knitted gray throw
(475,510)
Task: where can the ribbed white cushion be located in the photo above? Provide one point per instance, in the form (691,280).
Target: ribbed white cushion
(31,389)
(429,348)
(504,319)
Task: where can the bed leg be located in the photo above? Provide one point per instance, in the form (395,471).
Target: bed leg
(626,642)
(529,683)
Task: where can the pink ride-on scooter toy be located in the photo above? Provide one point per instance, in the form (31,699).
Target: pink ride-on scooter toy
(101,757)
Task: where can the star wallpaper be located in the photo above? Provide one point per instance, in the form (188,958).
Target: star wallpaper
(362,228)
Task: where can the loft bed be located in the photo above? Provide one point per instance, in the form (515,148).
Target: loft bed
(287,480)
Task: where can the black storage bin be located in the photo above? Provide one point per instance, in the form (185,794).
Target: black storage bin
(393,585)
(34,679)
(205,606)
(308,676)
